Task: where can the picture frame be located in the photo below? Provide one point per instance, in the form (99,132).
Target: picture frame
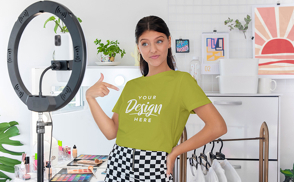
(182,46)
(273,37)
(215,45)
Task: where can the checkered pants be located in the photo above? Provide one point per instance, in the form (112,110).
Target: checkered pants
(127,164)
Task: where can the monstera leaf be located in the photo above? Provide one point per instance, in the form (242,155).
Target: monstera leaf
(8,130)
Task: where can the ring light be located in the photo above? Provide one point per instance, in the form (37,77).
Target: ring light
(47,103)
(41,103)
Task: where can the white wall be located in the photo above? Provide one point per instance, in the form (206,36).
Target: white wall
(116,19)
(113,20)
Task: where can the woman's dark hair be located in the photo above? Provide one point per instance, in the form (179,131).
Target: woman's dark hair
(156,24)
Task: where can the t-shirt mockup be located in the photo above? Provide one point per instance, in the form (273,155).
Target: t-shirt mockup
(153,110)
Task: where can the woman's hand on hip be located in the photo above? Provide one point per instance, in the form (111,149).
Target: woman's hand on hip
(100,89)
(170,162)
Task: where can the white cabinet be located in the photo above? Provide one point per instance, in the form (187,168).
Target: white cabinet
(244,115)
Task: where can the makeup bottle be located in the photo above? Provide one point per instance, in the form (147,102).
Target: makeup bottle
(35,162)
(60,151)
(27,164)
(65,153)
(74,152)
(47,171)
(69,154)
(22,170)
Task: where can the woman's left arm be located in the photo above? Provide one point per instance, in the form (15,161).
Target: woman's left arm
(215,127)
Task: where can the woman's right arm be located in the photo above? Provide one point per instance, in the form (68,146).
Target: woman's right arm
(108,126)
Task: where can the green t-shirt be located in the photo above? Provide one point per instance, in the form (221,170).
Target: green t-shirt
(153,110)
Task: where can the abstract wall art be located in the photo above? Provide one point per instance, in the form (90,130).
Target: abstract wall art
(182,46)
(215,45)
(273,39)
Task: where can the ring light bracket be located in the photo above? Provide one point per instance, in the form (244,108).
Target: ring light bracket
(78,64)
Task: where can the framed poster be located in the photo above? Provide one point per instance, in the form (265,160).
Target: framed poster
(215,45)
(273,40)
(182,46)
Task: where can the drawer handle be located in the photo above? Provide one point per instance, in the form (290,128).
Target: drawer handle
(227,102)
(237,166)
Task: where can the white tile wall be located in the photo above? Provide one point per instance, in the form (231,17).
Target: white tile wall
(188,19)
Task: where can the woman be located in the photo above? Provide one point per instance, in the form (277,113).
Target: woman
(152,111)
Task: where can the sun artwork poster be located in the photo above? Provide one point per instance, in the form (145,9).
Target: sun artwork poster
(273,40)
(215,46)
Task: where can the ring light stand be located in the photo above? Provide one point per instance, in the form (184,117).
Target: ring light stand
(40,103)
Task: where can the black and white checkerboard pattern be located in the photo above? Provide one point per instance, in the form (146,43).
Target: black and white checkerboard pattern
(149,166)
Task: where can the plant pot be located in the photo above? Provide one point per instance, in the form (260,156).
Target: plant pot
(105,58)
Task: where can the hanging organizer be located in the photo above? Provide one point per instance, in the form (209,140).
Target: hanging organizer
(263,153)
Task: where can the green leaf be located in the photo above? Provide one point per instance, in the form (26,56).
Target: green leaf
(2,149)
(2,175)
(13,123)
(9,169)
(287,172)
(4,126)
(9,162)
(79,20)
(6,133)
(8,130)
(56,26)
(52,18)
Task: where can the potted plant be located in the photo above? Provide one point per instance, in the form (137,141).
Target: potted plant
(63,43)
(289,174)
(237,24)
(109,50)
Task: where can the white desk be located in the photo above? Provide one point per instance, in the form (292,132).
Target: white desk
(63,164)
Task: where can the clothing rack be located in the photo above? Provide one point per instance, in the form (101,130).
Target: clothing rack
(263,153)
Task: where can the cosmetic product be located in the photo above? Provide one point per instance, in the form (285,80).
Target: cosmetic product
(27,164)
(60,151)
(48,170)
(78,171)
(65,153)
(74,151)
(91,168)
(26,177)
(68,153)
(22,170)
(16,170)
(90,162)
(35,162)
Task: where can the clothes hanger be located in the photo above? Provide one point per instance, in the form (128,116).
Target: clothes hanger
(201,163)
(211,155)
(204,157)
(194,155)
(191,161)
(220,155)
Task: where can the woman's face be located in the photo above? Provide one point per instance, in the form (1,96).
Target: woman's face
(153,47)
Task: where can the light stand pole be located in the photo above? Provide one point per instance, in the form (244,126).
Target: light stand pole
(40,147)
